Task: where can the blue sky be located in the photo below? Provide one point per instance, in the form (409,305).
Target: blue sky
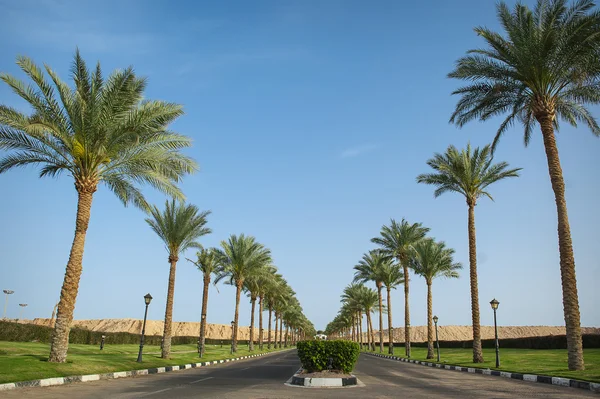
(310,120)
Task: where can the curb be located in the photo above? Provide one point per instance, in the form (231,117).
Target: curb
(560,381)
(323,382)
(47,382)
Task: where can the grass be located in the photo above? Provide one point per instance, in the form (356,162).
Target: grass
(23,361)
(551,362)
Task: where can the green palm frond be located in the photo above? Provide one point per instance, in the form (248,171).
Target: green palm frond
(99,131)
(241,256)
(468,172)
(397,239)
(179,225)
(547,64)
(432,259)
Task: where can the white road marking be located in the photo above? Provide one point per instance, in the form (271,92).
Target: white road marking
(152,393)
(245,368)
(203,379)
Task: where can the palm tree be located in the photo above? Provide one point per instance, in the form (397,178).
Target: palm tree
(546,67)
(263,287)
(368,299)
(252,285)
(178,226)
(431,260)
(397,241)
(101,131)
(240,257)
(468,172)
(392,276)
(207,263)
(370,268)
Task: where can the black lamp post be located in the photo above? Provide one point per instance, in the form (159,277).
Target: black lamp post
(437,341)
(232,332)
(102,342)
(147,299)
(495,304)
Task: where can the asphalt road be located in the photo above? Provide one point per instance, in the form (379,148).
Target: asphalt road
(264,377)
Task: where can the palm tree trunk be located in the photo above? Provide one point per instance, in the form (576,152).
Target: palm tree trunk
(406,311)
(372,332)
(287,331)
(379,286)
(70,287)
(238,292)
(203,316)
(390,328)
(280,330)
(567,259)
(260,323)
(276,327)
(251,343)
(360,331)
(429,322)
(166,347)
(269,328)
(477,352)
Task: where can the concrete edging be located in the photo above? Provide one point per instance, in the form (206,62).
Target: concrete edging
(47,382)
(326,382)
(560,381)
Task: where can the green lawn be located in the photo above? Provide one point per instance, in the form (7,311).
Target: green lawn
(22,361)
(551,362)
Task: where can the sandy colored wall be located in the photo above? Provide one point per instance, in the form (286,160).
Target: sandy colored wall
(465,333)
(153,327)
(223,331)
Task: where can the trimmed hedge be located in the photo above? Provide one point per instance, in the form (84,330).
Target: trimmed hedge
(17,332)
(315,355)
(546,342)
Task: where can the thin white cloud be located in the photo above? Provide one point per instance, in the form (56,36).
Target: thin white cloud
(356,151)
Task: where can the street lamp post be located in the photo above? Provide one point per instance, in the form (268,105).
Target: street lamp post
(102,342)
(437,341)
(7,292)
(147,299)
(232,332)
(22,305)
(495,304)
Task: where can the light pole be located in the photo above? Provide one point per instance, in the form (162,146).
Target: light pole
(495,304)
(437,341)
(22,305)
(147,299)
(232,330)
(7,292)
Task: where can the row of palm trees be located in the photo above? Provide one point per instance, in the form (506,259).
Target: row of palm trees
(544,68)
(103,131)
(384,266)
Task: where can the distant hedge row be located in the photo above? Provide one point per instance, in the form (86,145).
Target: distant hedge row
(547,342)
(11,331)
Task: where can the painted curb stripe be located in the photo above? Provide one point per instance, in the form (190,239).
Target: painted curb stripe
(559,381)
(118,374)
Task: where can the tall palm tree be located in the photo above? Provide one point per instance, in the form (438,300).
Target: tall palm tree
(207,262)
(370,268)
(100,131)
(368,299)
(265,282)
(272,291)
(546,67)
(178,226)
(392,276)
(240,256)
(397,241)
(252,285)
(468,172)
(431,260)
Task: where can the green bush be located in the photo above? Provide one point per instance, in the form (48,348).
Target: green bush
(315,355)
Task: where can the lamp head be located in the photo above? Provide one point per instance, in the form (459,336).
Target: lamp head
(435,319)
(147,299)
(494,303)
